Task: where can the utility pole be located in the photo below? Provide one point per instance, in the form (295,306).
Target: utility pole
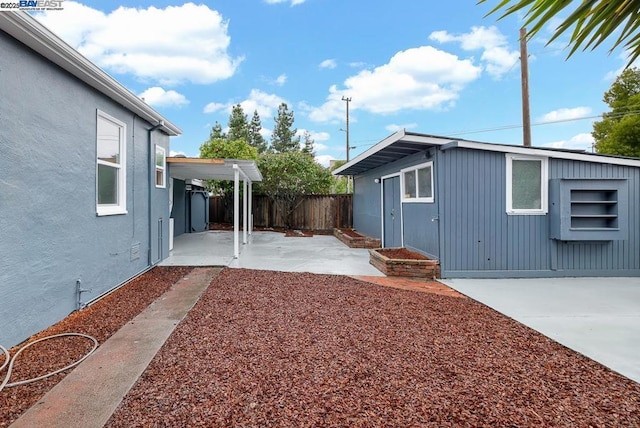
(348,100)
(524,68)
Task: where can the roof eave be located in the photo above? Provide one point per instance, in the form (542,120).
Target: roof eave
(36,36)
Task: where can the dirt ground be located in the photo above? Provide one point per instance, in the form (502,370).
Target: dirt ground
(289,349)
(265,348)
(100,320)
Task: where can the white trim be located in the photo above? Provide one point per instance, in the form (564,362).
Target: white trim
(544,185)
(121,206)
(417,199)
(162,168)
(532,151)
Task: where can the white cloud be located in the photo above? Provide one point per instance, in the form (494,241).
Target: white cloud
(158,97)
(565,114)
(293,2)
(496,56)
(357,64)
(214,107)
(316,137)
(173,153)
(328,63)
(265,104)
(320,136)
(393,127)
(281,80)
(582,141)
(324,160)
(422,78)
(171,45)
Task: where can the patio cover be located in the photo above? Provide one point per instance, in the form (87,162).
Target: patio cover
(223,169)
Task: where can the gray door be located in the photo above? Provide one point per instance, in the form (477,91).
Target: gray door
(199,211)
(391,212)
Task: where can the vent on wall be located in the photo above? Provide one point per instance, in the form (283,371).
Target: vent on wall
(135,251)
(588,209)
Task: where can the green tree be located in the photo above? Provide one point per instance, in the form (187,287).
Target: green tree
(238,125)
(340,182)
(618,133)
(308,144)
(255,137)
(220,148)
(283,138)
(216,132)
(288,176)
(590,23)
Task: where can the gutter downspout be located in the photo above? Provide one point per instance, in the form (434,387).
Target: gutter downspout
(152,169)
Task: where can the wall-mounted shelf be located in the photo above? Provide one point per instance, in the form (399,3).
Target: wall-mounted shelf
(588,209)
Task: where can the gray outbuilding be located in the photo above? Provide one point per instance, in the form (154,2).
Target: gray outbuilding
(84,198)
(490,210)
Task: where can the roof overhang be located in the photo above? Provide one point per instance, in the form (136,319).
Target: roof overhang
(576,155)
(402,144)
(394,147)
(27,30)
(212,169)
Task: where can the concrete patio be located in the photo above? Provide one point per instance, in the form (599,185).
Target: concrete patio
(271,251)
(598,317)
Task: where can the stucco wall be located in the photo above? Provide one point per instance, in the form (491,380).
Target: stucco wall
(50,236)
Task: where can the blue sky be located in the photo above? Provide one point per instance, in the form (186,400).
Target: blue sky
(438,68)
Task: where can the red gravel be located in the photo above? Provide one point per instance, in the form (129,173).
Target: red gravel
(291,349)
(100,320)
(401,254)
(352,233)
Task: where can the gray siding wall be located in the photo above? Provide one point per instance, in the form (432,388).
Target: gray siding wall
(179,212)
(50,236)
(419,231)
(476,236)
(481,240)
(616,257)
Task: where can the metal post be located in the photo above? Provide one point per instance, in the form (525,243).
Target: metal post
(236,211)
(250,208)
(245,213)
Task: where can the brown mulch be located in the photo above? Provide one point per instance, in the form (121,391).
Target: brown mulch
(100,320)
(287,232)
(352,233)
(401,254)
(298,234)
(293,349)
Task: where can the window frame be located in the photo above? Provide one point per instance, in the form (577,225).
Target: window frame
(544,185)
(417,199)
(121,206)
(162,168)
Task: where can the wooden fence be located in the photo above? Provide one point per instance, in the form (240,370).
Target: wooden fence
(316,212)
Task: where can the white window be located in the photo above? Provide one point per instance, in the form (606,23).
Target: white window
(161,166)
(417,183)
(527,184)
(111,171)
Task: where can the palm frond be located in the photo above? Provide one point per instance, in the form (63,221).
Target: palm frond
(589,24)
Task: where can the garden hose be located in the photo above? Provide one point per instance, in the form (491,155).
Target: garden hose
(10,360)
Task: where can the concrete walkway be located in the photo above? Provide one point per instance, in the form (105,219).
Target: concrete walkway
(271,251)
(88,396)
(598,317)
